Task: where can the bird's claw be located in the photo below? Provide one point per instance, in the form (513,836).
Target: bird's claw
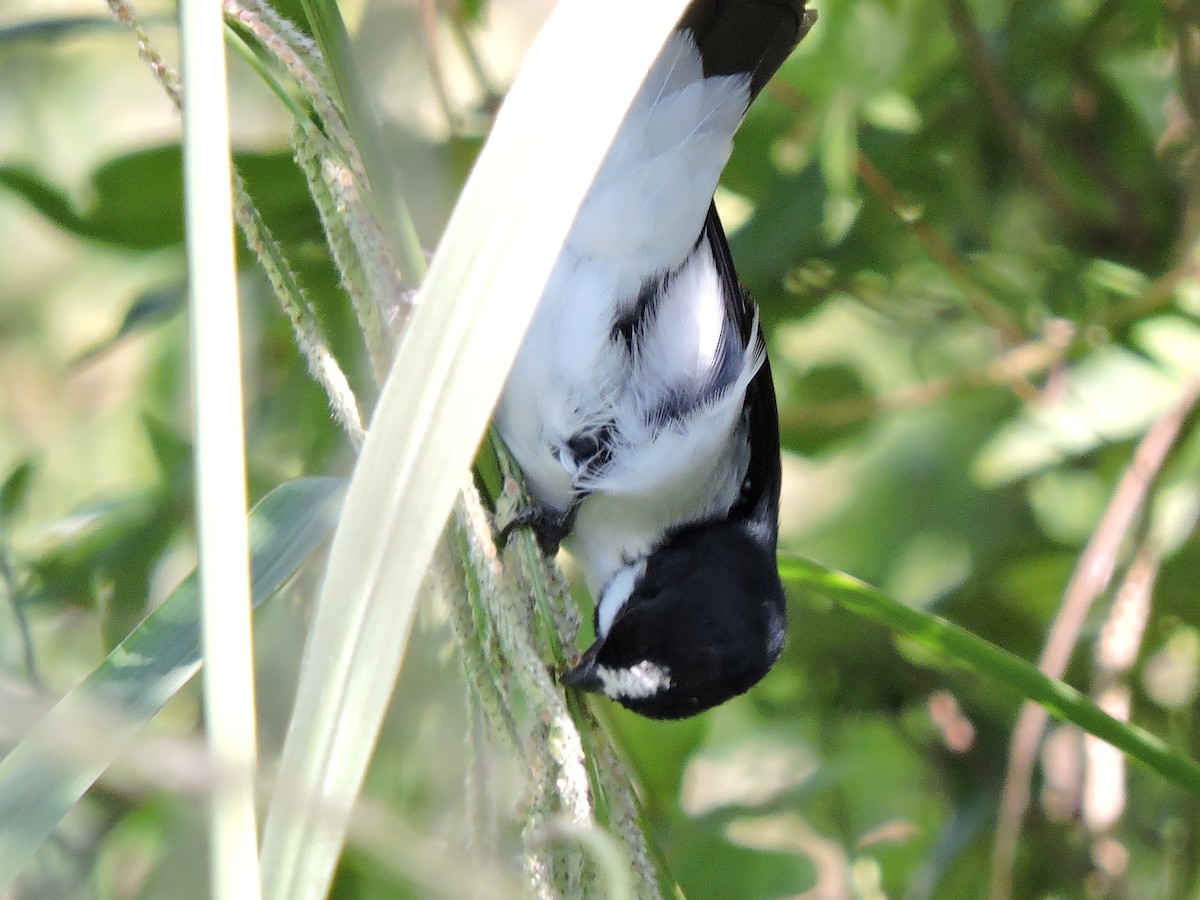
(548,528)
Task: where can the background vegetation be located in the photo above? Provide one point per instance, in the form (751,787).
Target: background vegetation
(971,227)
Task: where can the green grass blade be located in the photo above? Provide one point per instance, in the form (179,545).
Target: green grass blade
(230,718)
(948,641)
(39,785)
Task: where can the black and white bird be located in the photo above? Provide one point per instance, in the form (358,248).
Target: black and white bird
(640,407)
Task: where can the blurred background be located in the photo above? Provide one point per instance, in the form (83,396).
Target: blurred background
(971,226)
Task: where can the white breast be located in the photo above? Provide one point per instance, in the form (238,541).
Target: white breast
(640,220)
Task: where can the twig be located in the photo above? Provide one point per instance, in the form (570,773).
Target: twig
(1187,46)
(940,252)
(1008,115)
(163,71)
(1092,574)
(353,105)
(1014,366)
(1116,651)
(937,247)
(1160,291)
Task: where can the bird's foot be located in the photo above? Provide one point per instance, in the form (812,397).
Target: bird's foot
(548,527)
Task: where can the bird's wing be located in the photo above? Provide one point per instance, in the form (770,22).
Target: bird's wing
(758,501)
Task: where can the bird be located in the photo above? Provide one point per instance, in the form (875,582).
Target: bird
(640,408)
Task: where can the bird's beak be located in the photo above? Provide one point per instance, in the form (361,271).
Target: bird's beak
(582,676)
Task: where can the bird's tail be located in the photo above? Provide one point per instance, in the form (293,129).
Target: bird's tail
(747,36)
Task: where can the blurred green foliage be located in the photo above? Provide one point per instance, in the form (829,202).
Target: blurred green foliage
(972,230)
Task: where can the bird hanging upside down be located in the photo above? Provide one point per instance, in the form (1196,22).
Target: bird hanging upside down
(640,407)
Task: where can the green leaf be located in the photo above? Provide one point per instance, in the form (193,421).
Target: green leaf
(39,786)
(136,200)
(97,542)
(835,384)
(14,490)
(173,454)
(839,146)
(472,10)
(946,641)
(892,111)
(44,31)
(149,309)
(1113,395)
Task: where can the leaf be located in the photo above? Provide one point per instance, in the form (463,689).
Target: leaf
(173,454)
(38,786)
(839,146)
(944,641)
(48,30)
(149,309)
(14,490)
(1112,395)
(892,111)
(94,544)
(472,10)
(835,384)
(135,201)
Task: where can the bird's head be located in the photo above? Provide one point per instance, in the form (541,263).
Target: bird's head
(698,621)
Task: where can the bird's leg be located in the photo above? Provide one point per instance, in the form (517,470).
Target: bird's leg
(548,527)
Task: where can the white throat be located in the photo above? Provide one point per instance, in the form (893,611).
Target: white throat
(616,594)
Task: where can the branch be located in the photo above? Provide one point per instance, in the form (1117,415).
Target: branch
(1008,116)
(940,251)
(1091,577)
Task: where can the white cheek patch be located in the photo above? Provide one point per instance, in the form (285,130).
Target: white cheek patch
(616,595)
(635,683)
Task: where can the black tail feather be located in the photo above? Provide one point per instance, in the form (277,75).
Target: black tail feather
(753,36)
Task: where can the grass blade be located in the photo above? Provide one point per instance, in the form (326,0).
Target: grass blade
(51,769)
(229,715)
(948,641)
